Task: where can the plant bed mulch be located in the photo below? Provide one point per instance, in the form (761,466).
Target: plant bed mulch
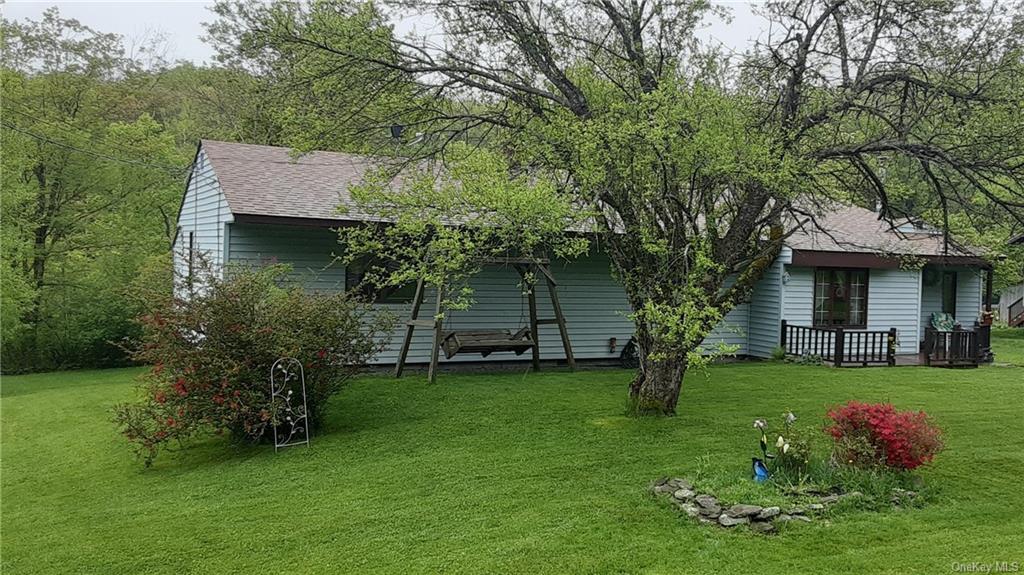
(708,510)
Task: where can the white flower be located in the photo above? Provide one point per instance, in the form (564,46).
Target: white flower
(790,418)
(780,442)
(785,448)
(760,424)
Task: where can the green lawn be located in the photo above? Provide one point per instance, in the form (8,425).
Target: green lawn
(1008,345)
(493,474)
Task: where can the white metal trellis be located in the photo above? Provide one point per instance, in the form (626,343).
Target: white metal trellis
(289,420)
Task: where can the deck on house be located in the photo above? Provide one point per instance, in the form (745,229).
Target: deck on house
(861,348)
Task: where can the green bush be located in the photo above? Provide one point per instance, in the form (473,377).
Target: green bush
(809,461)
(82,319)
(211,347)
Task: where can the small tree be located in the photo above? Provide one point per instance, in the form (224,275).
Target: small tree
(211,350)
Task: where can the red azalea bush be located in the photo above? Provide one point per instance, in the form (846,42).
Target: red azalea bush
(211,354)
(876,433)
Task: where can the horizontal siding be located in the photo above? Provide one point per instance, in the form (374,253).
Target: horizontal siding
(798,295)
(892,302)
(731,331)
(595,306)
(310,251)
(204,212)
(969,295)
(765,312)
(785,255)
(931,299)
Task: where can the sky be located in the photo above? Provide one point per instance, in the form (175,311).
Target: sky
(181,21)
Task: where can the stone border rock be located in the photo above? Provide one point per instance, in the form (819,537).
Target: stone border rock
(706,509)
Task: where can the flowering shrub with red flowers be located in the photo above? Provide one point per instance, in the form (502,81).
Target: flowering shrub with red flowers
(871,434)
(211,347)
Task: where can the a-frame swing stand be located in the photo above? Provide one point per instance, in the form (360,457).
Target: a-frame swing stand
(491,341)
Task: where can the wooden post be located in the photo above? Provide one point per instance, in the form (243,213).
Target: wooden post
(434,349)
(530,286)
(782,336)
(410,325)
(984,341)
(531,296)
(988,290)
(534,332)
(840,346)
(559,317)
(891,347)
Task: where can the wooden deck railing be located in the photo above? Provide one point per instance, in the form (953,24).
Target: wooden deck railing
(801,340)
(984,342)
(959,347)
(841,347)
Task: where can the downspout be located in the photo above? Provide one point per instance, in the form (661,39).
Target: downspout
(920,304)
(988,290)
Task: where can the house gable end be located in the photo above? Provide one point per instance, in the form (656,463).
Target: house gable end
(202,217)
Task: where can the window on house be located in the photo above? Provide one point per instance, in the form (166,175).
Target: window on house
(356,281)
(949,293)
(840,297)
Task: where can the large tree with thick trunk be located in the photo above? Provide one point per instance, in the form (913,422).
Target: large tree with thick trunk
(694,167)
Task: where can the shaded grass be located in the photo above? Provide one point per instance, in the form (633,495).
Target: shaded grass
(536,473)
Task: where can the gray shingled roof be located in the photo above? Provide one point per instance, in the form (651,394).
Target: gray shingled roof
(854,229)
(268,181)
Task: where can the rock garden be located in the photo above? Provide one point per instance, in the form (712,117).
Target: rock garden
(864,458)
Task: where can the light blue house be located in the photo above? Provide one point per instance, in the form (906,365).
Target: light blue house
(255,204)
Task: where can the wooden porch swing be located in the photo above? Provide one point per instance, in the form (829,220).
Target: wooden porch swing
(486,342)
